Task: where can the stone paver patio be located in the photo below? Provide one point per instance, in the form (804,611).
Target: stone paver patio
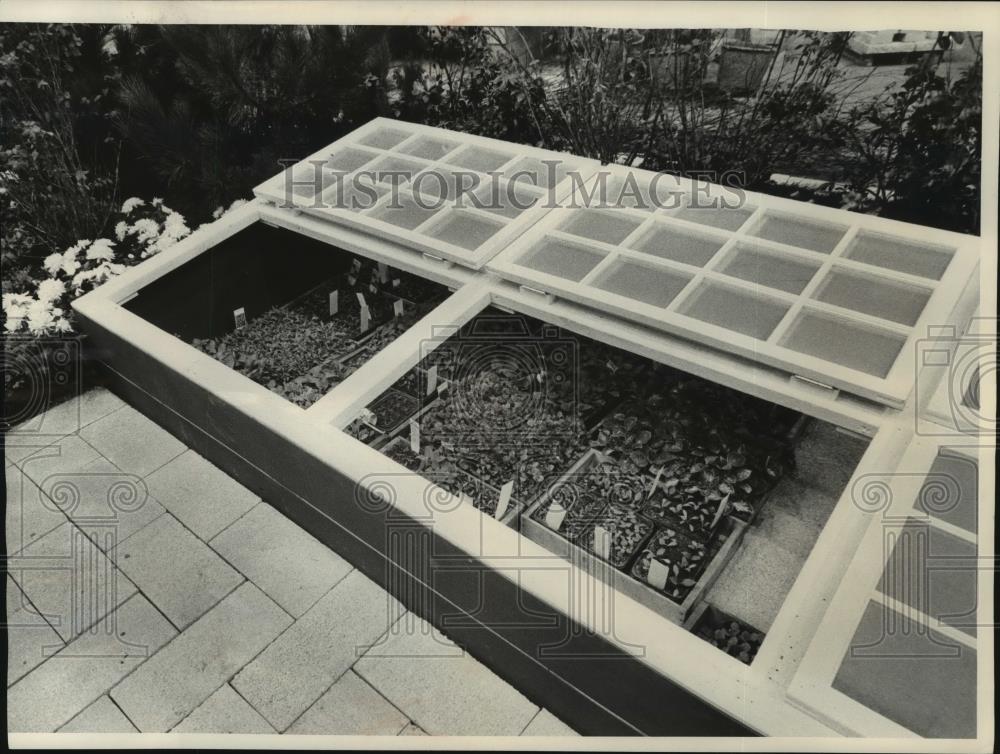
(148,591)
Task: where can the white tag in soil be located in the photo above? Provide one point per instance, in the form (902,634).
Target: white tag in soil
(432,379)
(334,302)
(414,435)
(602,542)
(397,307)
(658,574)
(240,318)
(383,272)
(366,318)
(554,516)
(656,480)
(505,492)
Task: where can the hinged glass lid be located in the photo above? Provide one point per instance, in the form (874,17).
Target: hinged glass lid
(832,296)
(454,196)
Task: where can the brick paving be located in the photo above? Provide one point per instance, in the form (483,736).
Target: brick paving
(148,591)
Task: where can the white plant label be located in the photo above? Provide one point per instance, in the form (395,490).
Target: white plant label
(602,542)
(505,492)
(414,435)
(656,481)
(554,517)
(361,300)
(383,272)
(334,302)
(240,318)
(432,379)
(366,318)
(397,307)
(658,574)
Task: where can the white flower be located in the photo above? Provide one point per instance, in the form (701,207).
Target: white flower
(120,230)
(101,249)
(52,264)
(40,317)
(174,226)
(70,265)
(157,201)
(145,228)
(50,290)
(131,204)
(219,211)
(15,309)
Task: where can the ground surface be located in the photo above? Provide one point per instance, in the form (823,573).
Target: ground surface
(149,591)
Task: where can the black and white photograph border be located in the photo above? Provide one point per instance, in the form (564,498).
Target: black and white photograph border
(436,375)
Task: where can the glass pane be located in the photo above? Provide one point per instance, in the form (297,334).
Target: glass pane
(641,191)
(306,180)
(395,170)
(717,217)
(734,309)
(781,271)
(840,341)
(807,234)
(608,227)
(893,254)
(508,200)
(896,302)
(384,138)
(561,259)
(441,182)
(464,229)
(951,491)
(642,283)
(348,160)
(356,196)
(429,147)
(669,242)
(479,158)
(403,211)
(536,172)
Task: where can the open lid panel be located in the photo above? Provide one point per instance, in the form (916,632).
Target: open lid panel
(896,653)
(831,296)
(458,197)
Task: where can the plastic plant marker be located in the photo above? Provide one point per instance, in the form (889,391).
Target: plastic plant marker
(607,227)
(678,245)
(464,229)
(765,267)
(240,318)
(397,307)
(505,492)
(334,302)
(602,542)
(365,317)
(561,259)
(554,516)
(794,231)
(835,339)
(896,302)
(658,574)
(649,285)
(361,300)
(432,379)
(414,435)
(734,309)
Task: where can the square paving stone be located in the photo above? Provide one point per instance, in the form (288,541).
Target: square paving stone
(193,666)
(132,442)
(286,562)
(67,418)
(350,708)
(55,464)
(225,711)
(103,716)
(69,580)
(304,661)
(29,514)
(547,724)
(202,496)
(182,575)
(30,639)
(55,691)
(444,695)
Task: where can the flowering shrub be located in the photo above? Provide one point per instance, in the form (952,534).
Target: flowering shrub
(144,229)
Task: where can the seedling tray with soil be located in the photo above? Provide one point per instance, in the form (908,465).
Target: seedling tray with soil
(734,637)
(628,530)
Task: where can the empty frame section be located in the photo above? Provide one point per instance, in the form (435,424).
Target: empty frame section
(809,291)
(461,198)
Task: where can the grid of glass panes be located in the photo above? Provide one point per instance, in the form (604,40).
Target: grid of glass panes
(818,288)
(458,196)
